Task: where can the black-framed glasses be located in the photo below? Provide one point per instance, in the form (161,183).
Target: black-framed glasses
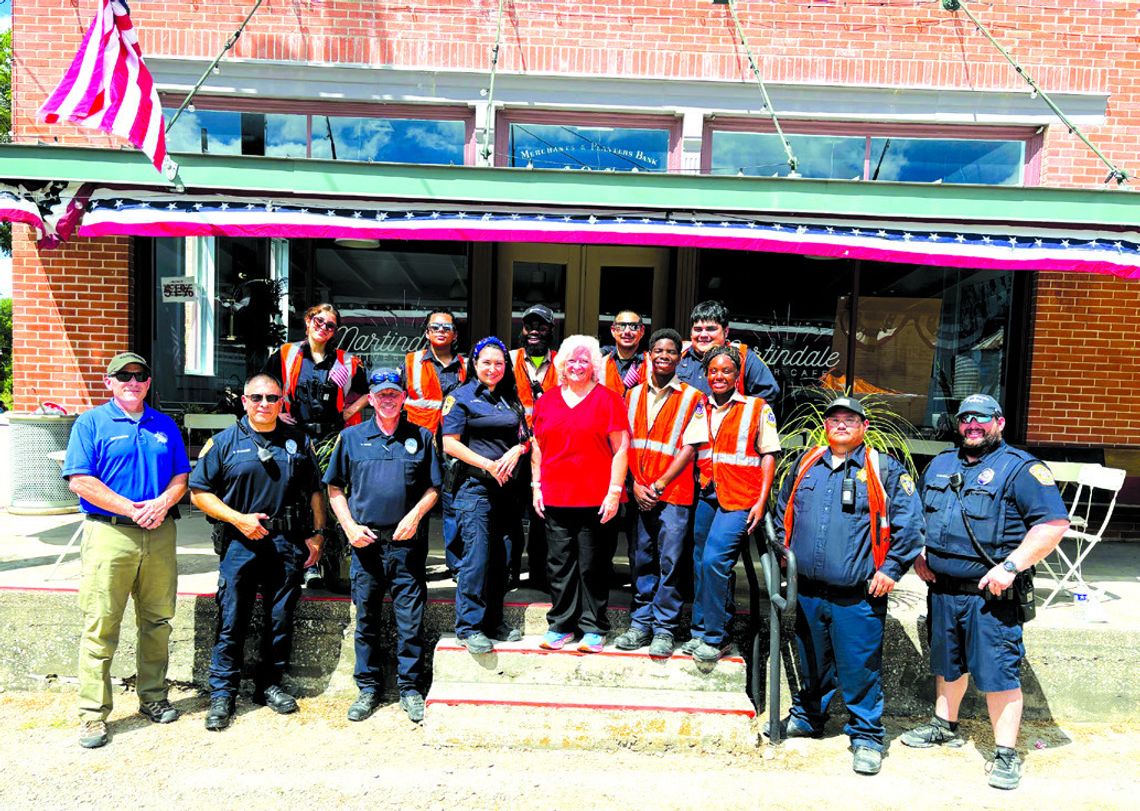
(441,327)
(980,419)
(628,326)
(257,398)
(322,324)
(385,377)
(127,377)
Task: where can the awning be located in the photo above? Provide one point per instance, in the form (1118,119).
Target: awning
(109,192)
(52,208)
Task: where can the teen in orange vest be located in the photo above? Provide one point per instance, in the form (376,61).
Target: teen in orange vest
(736,470)
(431,375)
(625,366)
(668,423)
(855,523)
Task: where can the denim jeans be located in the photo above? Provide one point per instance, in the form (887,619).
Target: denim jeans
(718,535)
(657,548)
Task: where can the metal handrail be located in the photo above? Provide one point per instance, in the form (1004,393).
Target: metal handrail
(779,605)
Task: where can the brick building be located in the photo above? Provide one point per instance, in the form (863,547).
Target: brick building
(359,153)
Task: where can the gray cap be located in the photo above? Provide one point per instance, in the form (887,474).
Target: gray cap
(980,404)
(849,403)
(125,359)
(539,311)
(385,380)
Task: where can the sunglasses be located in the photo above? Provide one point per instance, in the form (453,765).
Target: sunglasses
(322,324)
(384,377)
(126,377)
(627,326)
(980,419)
(440,327)
(257,398)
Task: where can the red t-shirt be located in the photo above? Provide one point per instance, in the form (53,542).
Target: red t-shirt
(575,445)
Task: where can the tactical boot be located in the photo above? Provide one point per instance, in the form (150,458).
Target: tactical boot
(633,639)
(220,714)
(365,704)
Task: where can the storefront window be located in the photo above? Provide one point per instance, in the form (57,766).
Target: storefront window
(762,154)
(571,146)
(940,160)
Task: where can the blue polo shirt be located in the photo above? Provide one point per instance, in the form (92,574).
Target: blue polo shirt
(384,475)
(230,468)
(833,545)
(482,420)
(135,459)
(758,378)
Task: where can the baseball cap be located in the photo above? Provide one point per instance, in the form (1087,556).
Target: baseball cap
(125,359)
(980,404)
(385,380)
(539,311)
(850,403)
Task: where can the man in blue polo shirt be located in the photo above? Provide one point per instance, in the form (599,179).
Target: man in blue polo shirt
(384,477)
(128,465)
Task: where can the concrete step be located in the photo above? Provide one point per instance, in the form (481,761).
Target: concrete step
(533,716)
(526,663)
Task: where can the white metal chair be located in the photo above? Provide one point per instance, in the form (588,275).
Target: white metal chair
(1066,570)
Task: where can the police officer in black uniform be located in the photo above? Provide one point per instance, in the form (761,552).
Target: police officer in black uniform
(260,482)
(1008,499)
(384,478)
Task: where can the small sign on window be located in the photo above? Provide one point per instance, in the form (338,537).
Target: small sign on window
(179,288)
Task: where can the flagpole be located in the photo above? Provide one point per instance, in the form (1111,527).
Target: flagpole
(229,44)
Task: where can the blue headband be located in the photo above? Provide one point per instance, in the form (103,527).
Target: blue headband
(490,340)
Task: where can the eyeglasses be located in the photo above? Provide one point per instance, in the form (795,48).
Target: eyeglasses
(126,377)
(257,398)
(627,326)
(322,324)
(980,419)
(440,327)
(384,377)
(850,422)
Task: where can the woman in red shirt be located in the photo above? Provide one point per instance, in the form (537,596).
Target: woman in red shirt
(578,465)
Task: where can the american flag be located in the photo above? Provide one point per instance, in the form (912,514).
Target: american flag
(108,88)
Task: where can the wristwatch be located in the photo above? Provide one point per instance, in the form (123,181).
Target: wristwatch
(1010,566)
(319,531)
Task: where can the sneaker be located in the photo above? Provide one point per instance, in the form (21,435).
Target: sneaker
(633,639)
(93,734)
(365,704)
(413,704)
(591,643)
(705,652)
(276,699)
(690,646)
(313,579)
(934,732)
(1004,769)
(792,727)
(662,646)
(505,633)
(160,712)
(555,640)
(866,760)
(220,714)
(477,643)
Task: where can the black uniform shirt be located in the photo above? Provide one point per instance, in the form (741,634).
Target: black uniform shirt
(482,419)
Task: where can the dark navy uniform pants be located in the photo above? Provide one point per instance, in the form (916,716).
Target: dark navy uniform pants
(452,540)
(840,643)
(655,560)
(486,513)
(396,567)
(271,566)
(718,535)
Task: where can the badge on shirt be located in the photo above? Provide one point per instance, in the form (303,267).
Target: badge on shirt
(862,475)
(986,476)
(907,484)
(291,446)
(700,410)
(770,417)
(411,446)
(160,436)
(1043,474)
(447,404)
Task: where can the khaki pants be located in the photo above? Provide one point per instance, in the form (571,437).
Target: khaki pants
(119,562)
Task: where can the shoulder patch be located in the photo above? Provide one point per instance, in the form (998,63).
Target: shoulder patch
(907,484)
(769,416)
(448,403)
(1043,474)
(699,411)
(206,448)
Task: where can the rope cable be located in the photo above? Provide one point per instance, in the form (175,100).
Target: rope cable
(489,126)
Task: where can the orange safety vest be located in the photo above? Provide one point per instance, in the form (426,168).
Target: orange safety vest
(743,348)
(522,381)
(291,358)
(730,458)
(653,448)
(876,500)
(424,405)
(613,380)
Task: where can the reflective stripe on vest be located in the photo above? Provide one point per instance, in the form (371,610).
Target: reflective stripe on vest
(652,457)
(736,487)
(424,405)
(291,360)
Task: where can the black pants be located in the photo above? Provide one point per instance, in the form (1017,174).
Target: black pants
(578,565)
(535,536)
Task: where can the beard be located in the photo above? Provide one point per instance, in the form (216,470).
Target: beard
(984,445)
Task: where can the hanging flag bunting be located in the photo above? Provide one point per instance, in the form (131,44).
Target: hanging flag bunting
(109,88)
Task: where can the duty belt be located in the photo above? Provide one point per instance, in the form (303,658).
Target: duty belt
(284,524)
(471,470)
(944,584)
(818,588)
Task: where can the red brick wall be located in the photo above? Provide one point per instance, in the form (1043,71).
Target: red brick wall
(70,315)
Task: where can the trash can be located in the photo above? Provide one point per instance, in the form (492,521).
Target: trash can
(38,442)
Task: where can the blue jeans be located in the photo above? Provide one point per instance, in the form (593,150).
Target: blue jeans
(398,567)
(840,643)
(272,566)
(717,537)
(486,513)
(655,555)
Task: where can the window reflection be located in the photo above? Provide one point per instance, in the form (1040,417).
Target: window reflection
(762,154)
(936,160)
(566,146)
(216,132)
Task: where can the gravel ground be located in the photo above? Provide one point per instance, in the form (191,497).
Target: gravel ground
(317,758)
